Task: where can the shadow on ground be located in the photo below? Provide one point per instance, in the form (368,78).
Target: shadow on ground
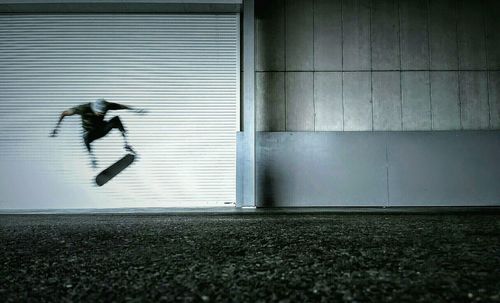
(260,257)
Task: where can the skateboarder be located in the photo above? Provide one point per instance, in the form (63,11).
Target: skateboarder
(94,125)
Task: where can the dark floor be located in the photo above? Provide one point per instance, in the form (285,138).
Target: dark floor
(293,257)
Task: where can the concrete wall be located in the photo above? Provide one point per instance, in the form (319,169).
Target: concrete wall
(378,102)
(448,168)
(381,65)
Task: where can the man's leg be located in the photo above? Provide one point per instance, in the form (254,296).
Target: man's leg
(115,122)
(87,139)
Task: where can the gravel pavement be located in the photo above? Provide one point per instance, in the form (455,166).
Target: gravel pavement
(298,257)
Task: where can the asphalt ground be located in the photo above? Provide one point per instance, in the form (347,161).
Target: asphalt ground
(260,257)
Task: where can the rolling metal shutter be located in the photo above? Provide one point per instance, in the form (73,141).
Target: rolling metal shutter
(183,69)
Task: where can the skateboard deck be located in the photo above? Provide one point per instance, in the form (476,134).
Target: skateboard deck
(110,172)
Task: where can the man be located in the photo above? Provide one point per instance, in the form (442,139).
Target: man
(94,125)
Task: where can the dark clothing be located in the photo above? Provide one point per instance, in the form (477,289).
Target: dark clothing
(90,120)
(106,127)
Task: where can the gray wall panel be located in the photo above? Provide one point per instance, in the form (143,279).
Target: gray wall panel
(270,35)
(494,97)
(357,101)
(378,169)
(416,101)
(407,35)
(386,101)
(474,100)
(443,34)
(492,11)
(385,35)
(299,101)
(328,101)
(471,35)
(299,35)
(444,168)
(270,99)
(414,38)
(445,101)
(336,169)
(356,34)
(327,35)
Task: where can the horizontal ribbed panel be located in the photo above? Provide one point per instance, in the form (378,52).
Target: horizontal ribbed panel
(183,69)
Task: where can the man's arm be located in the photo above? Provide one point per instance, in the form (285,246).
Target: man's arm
(68,112)
(117,106)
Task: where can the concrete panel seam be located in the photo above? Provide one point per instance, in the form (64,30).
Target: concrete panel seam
(430,94)
(460,100)
(313,60)
(400,64)
(459,27)
(413,17)
(342,54)
(371,97)
(488,98)
(429,38)
(474,100)
(342,34)
(429,61)
(401,97)
(314,105)
(430,99)
(343,109)
(286,94)
(285,65)
(371,61)
(284,38)
(456,36)
(483,8)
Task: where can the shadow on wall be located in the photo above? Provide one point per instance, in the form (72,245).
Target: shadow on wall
(269,20)
(267,180)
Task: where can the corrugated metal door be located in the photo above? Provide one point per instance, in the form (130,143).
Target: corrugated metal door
(183,69)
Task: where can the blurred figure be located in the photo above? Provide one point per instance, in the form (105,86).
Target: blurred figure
(94,125)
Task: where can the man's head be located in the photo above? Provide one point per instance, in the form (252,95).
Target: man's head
(98,106)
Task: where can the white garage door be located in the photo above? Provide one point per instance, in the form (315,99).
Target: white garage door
(183,69)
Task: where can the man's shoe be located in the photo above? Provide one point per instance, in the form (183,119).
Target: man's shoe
(129,148)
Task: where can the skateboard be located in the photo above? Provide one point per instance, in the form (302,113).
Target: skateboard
(110,172)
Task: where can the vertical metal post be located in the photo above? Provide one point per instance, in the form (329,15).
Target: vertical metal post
(248,104)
